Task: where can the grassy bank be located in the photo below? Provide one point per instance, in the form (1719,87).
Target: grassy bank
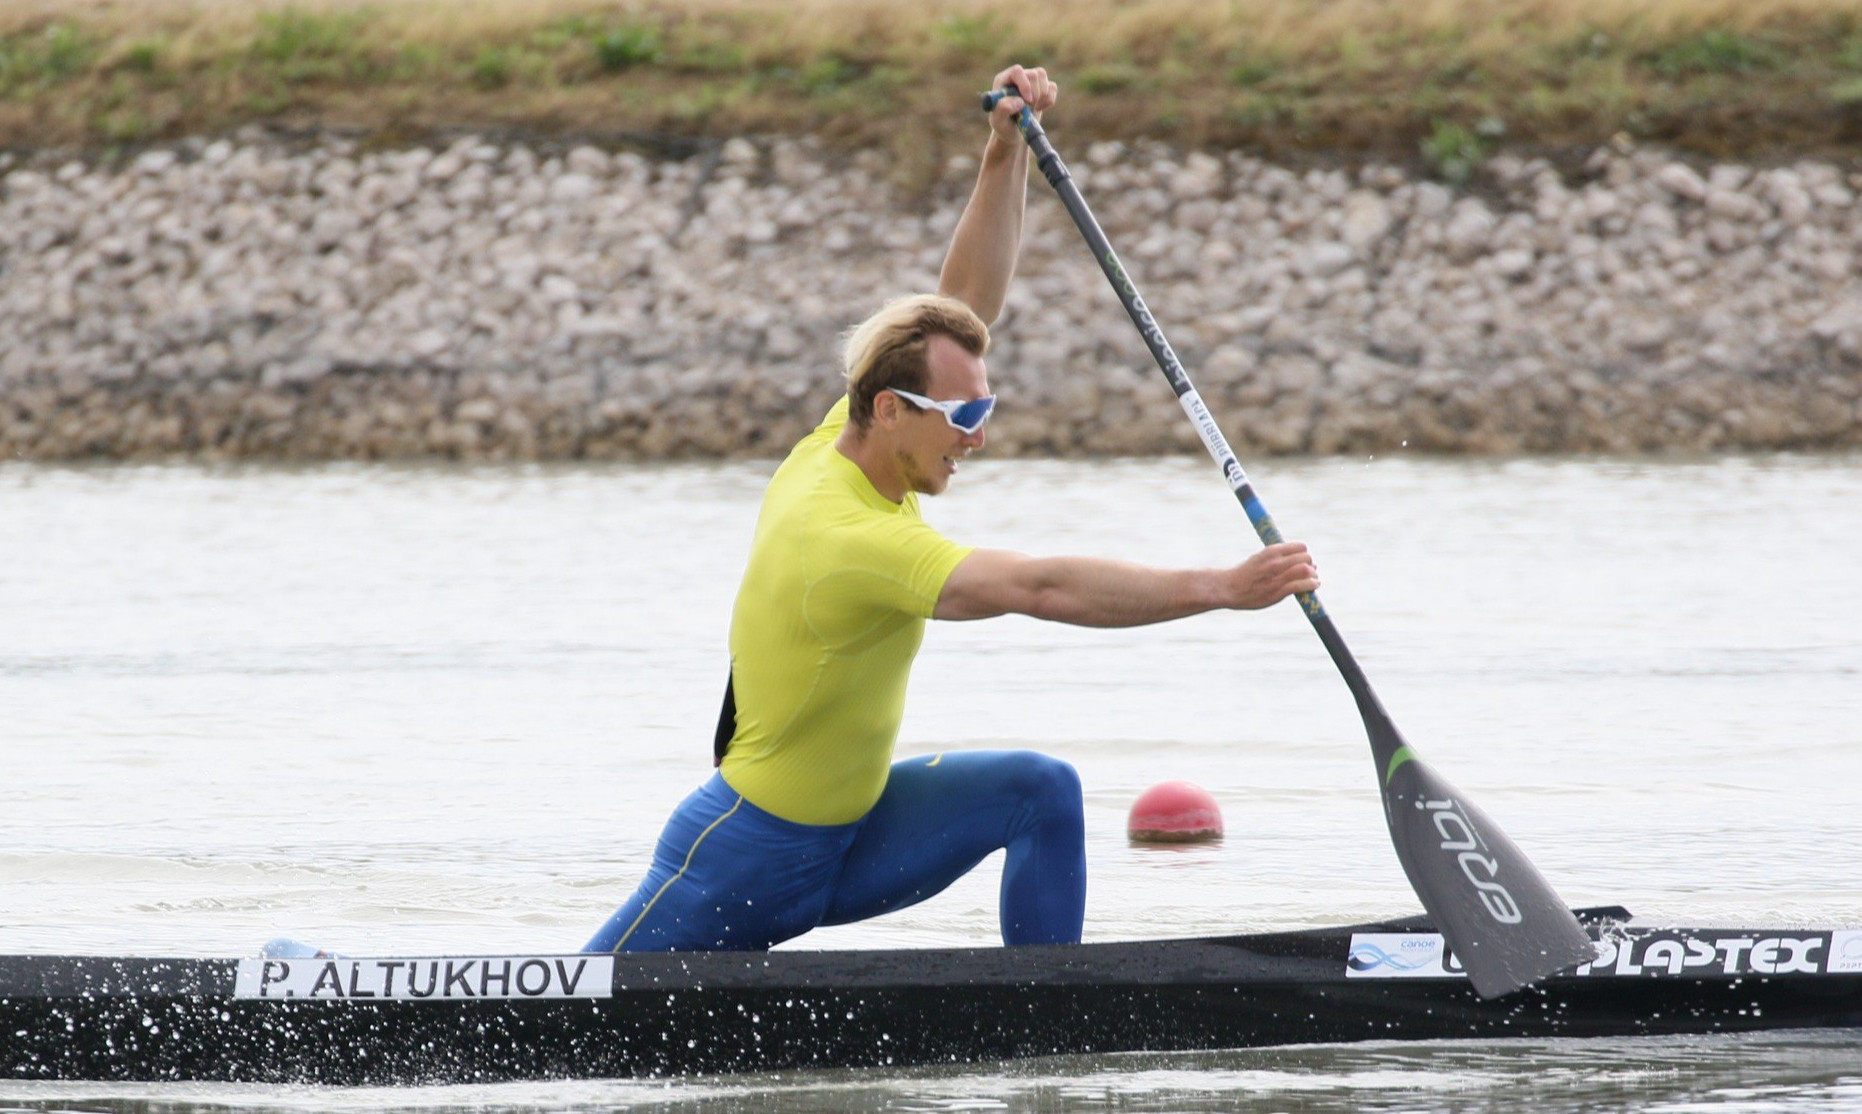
(1441,80)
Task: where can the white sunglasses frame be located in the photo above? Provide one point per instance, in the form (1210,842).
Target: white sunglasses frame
(949,408)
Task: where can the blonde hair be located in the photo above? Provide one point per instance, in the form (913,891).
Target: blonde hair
(888,349)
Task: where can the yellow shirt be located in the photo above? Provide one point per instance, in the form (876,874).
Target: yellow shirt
(830,614)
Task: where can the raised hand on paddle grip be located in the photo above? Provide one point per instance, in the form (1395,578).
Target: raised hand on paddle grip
(1272,575)
(1038,91)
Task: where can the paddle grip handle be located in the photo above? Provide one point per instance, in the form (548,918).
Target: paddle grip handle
(994,98)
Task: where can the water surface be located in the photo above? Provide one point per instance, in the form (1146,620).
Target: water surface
(407,709)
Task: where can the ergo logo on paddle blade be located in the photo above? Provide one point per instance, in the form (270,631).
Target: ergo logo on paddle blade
(1461,840)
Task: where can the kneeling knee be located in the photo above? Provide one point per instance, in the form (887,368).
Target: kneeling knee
(1054,782)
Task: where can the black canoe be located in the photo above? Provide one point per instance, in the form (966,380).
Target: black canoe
(460,1019)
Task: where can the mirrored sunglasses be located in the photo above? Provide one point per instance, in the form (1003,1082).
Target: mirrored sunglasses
(964,415)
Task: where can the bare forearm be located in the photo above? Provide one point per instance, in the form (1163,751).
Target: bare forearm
(984,248)
(1095,592)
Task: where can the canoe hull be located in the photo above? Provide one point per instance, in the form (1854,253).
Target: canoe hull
(701,1013)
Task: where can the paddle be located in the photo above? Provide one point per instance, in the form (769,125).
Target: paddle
(1497,912)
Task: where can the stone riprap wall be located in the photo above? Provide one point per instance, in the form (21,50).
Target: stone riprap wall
(248,299)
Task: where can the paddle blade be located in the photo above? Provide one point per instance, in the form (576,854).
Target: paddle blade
(1498,914)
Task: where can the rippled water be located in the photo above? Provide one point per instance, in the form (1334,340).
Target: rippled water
(398,709)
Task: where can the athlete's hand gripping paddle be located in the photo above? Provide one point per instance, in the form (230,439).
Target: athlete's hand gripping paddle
(1499,915)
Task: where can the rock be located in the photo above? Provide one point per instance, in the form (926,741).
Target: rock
(1833,265)
(1844,317)
(588,161)
(1681,180)
(1469,229)
(1515,263)
(1432,200)
(1732,206)
(1833,196)
(151,164)
(443,169)
(428,343)
(572,189)
(738,152)
(1199,215)
(1365,222)
(477,410)
(1323,260)
(305,369)
(557,289)
(1646,336)
(1785,190)
(1728,178)
(1656,220)
(1201,176)
(1725,237)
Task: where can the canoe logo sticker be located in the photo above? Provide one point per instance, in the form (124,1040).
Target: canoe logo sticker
(1846,952)
(1400,955)
(433,980)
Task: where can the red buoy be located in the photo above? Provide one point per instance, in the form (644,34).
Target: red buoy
(1174,812)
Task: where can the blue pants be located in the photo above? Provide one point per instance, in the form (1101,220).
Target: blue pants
(727,875)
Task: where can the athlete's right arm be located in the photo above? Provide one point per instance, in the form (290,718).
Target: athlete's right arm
(1096,592)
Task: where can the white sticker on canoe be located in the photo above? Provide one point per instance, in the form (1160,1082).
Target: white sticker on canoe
(428,980)
(1400,955)
(1697,952)
(1846,952)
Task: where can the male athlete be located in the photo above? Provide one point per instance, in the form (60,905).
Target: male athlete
(809,821)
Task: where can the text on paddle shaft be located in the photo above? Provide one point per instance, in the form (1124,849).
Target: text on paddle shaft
(1147,324)
(1179,380)
(578,976)
(1461,840)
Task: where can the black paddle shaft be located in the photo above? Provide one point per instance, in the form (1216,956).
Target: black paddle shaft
(1498,914)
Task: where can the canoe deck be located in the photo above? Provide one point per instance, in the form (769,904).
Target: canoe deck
(475,1019)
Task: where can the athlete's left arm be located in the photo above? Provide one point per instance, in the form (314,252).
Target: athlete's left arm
(1096,592)
(983,250)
